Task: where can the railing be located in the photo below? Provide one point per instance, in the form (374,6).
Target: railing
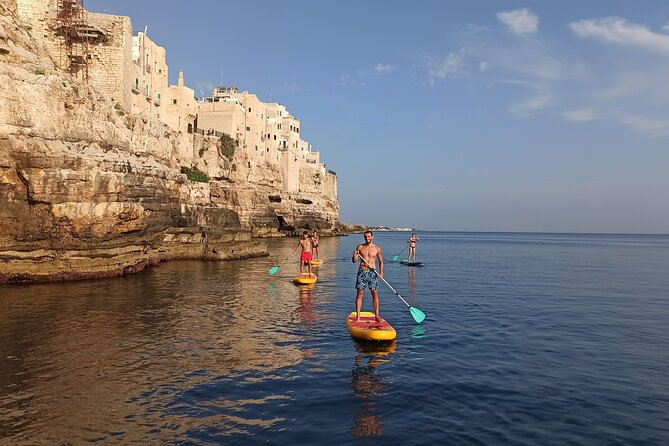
(210,132)
(332,172)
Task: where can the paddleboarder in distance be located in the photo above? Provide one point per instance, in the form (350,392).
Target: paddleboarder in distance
(412,246)
(367,277)
(314,241)
(305,256)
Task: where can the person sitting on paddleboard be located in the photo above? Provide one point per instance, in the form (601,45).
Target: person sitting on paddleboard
(412,246)
(314,242)
(305,256)
(367,277)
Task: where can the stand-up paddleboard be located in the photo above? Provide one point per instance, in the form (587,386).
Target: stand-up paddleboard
(317,262)
(368,329)
(412,263)
(304,279)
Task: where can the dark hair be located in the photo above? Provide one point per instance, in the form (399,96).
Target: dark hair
(367,232)
(305,232)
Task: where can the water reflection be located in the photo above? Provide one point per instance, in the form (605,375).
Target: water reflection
(368,386)
(153,356)
(418,332)
(305,308)
(122,359)
(412,279)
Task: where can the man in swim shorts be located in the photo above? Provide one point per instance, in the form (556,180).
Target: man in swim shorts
(367,276)
(305,256)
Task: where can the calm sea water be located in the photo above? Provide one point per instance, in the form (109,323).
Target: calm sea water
(530,339)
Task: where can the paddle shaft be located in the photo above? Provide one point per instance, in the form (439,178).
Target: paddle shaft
(402,250)
(276,267)
(384,280)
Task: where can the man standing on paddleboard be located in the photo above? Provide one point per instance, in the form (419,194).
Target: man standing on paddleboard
(305,256)
(367,276)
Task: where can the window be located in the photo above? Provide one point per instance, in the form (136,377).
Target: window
(248,129)
(274,137)
(136,84)
(249,109)
(174,101)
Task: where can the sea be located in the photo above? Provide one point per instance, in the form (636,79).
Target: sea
(529,339)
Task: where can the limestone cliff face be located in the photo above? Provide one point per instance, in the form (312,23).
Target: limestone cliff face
(87,190)
(257,193)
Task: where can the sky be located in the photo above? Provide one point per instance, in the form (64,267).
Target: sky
(459,115)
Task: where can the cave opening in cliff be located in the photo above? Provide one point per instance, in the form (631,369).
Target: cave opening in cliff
(283,226)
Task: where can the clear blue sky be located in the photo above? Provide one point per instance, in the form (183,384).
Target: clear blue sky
(452,115)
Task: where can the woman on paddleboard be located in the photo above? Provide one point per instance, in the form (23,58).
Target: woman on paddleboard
(367,276)
(412,246)
(314,242)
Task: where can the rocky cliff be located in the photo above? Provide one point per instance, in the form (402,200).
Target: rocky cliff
(87,190)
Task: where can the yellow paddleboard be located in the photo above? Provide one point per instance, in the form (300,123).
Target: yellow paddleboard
(317,262)
(304,279)
(368,329)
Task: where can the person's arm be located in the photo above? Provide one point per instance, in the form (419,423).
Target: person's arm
(297,247)
(354,259)
(380,256)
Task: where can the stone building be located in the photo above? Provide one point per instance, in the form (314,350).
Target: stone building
(267,131)
(101,49)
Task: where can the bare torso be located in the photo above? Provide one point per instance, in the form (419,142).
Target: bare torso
(306,245)
(369,252)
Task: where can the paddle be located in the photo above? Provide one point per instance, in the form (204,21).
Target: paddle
(417,315)
(274,269)
(397,256)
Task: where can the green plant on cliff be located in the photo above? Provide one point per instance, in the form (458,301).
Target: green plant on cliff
(40,71)
(228,146)
(195,175)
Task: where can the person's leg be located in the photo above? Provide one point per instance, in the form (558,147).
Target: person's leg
(375,302)
(358,304)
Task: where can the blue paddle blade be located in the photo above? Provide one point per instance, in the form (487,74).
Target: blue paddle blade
(395,258)
(418,315)
(273,270)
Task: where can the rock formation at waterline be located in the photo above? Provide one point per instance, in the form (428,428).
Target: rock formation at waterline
(90,190)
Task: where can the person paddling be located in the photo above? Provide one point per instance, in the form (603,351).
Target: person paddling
(314,242)
(412,246)
(305,256)
(367,277)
